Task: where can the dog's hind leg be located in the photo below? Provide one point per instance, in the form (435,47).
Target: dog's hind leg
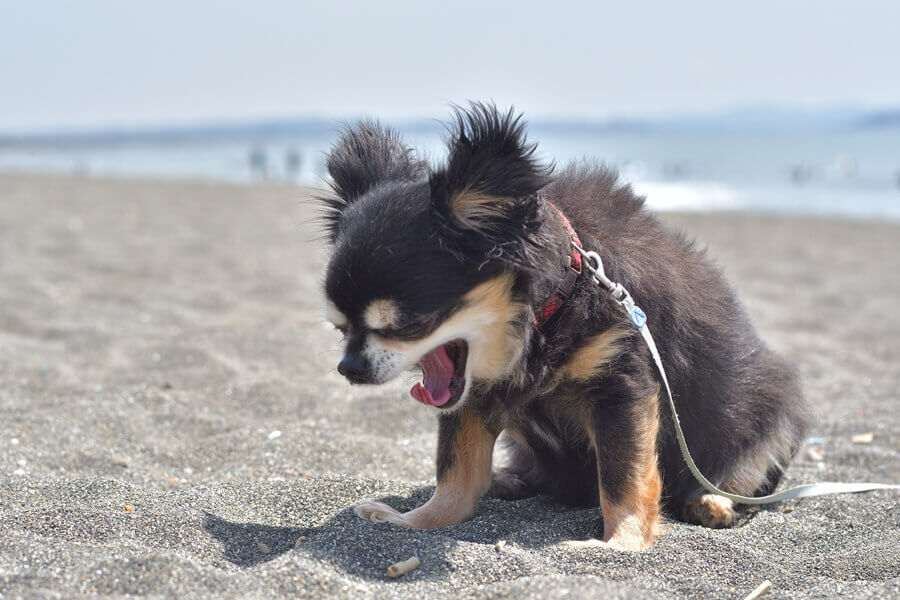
(755,473)
(465,448)
(516,472)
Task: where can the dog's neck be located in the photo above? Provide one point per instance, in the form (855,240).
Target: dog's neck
(544,314)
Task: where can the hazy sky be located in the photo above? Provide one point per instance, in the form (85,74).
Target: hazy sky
(87,63)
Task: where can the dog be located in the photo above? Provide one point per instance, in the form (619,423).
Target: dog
(467,270)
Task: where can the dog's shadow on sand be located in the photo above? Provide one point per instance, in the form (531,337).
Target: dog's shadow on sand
(248,544)
(365,549)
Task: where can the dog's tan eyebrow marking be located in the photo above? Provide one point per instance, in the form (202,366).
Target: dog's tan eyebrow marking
(334,315)
(383,313)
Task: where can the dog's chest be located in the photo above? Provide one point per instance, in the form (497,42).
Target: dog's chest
(556,420)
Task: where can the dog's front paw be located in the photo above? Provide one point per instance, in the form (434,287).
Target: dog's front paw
(378,513)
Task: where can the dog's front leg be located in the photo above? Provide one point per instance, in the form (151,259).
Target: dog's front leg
(624,440)
(465,448)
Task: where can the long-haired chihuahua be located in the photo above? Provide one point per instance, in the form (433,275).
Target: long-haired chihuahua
(467,271)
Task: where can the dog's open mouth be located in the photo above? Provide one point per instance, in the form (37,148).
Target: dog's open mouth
(444,374)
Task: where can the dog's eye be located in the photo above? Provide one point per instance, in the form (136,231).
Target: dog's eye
(389,333)
(405,333)
(341,328)
(414,328)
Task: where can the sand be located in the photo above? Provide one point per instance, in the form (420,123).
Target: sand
(172,425)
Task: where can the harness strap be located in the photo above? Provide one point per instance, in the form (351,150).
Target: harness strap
(639,319)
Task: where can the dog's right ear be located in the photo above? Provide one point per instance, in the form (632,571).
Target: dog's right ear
(365,155)
(486,197)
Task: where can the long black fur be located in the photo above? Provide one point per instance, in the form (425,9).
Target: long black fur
(490,154)
(395,236)
(364,156)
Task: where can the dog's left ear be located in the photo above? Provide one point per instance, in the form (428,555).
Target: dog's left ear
(486,196)
(364,156)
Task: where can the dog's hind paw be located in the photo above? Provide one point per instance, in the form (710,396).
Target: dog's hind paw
(710,510)
(507,485)
(377,512)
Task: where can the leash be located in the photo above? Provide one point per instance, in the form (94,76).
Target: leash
(638,318)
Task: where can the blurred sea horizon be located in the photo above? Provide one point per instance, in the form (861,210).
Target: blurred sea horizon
(836,162)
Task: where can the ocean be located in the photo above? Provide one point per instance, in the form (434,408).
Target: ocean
(853,173)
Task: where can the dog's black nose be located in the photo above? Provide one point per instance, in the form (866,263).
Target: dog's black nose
(354,367)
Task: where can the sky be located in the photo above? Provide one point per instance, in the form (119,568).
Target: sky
(83,64)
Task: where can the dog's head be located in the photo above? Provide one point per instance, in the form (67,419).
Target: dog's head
(426,263)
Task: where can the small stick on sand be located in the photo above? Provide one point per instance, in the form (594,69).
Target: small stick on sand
(403,567)
(764,587)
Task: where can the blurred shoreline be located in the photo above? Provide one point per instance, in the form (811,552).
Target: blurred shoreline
(824,186)
(840,162)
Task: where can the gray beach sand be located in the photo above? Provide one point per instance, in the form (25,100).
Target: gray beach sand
(172,425)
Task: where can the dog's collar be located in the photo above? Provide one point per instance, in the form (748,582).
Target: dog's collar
(573,270)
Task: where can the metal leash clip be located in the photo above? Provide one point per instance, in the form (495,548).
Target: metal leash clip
(595,265)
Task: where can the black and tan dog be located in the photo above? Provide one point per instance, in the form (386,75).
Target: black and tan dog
(467,271)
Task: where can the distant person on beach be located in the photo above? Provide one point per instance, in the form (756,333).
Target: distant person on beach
(293,160)
(259,162)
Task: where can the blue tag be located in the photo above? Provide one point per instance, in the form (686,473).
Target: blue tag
(637,316)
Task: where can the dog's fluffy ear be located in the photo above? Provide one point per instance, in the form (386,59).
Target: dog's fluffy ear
(486,196)
(365,155)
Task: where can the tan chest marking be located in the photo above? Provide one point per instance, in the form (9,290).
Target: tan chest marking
(594,357)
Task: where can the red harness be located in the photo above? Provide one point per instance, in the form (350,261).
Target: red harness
(573,270)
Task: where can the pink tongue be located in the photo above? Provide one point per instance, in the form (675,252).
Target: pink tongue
(438,369)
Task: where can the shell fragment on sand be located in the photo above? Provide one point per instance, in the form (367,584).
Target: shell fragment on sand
(761,589)
(403,567)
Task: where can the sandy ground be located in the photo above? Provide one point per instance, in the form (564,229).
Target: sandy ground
(171,423)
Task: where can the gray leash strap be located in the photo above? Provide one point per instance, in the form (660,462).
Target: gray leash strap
(639,320)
